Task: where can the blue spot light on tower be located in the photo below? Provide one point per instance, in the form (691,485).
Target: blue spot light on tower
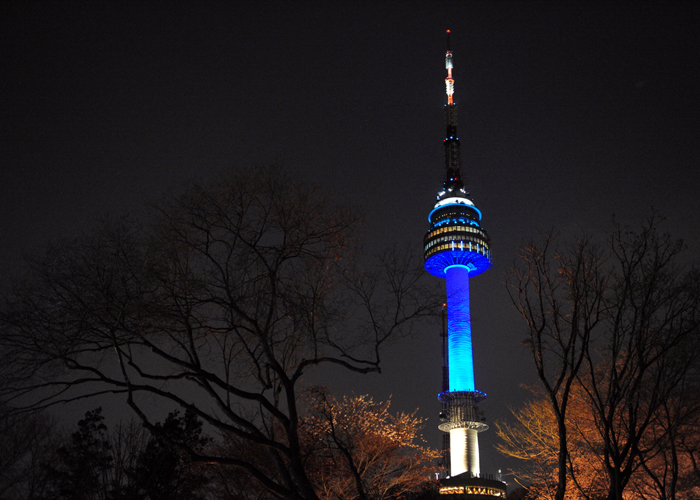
(457,249)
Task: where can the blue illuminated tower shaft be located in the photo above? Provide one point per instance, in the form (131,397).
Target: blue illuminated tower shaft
(457,249)
(459,327)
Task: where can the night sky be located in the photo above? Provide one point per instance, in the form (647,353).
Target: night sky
(570,113)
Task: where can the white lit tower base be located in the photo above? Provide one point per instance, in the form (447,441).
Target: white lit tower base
(457,249)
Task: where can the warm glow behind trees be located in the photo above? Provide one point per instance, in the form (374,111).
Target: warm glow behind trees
(359,449)
(533,438)
(614,329)
(353,448)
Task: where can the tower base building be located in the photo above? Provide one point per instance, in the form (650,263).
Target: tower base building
(465,486)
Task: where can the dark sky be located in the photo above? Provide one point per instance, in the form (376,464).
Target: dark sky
(570,113)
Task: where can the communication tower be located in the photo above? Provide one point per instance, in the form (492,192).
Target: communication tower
(457,249)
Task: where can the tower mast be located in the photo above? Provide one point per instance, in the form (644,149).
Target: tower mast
(452,155)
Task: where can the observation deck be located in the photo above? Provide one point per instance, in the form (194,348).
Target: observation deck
(455,237)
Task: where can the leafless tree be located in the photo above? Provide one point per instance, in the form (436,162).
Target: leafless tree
(354,449)
(621,320)
(648,351)
(533,437)
(671,443)
(665,470)
(559,292)
(220,302)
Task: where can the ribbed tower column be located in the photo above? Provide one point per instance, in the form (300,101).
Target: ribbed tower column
(457,249)
(459,326)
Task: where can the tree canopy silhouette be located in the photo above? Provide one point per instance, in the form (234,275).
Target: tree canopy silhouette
(618,322)
(220,301)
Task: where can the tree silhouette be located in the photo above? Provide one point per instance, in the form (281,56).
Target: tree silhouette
(665,471)
(26,442)
(125,464)
(162,472)
(560,293)
(620,323)
(81,466)
(219,302)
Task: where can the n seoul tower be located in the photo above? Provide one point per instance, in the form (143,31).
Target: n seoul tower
(457,249)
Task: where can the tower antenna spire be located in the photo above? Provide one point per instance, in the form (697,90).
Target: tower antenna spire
(449,81)
(452,155)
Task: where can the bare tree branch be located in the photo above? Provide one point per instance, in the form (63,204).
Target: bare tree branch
(219,302)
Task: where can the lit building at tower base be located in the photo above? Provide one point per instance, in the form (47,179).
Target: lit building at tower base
(473,488)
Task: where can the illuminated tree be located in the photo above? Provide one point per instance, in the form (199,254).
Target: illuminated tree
(560,293)
(359,450)
(620,322)
(670,470)
(665,471)
(353,449)
(219,302)
(533,438)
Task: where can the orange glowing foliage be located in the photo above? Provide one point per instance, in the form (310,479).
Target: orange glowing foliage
(354,443)
(533,438)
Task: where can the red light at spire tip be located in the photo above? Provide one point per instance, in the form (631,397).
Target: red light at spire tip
(449,31)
